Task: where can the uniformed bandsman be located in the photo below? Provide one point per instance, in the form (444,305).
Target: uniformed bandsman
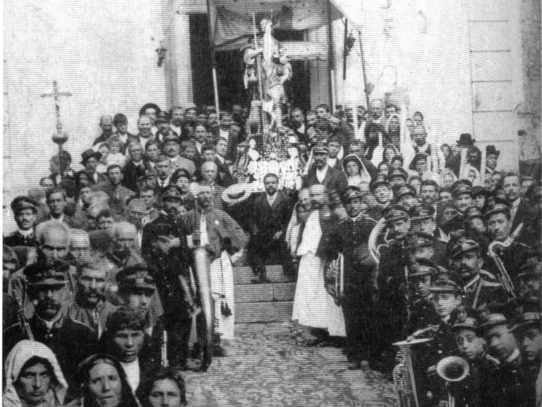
(25,212)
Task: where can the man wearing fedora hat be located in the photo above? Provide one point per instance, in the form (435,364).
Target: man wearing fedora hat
(24,210)
(90,160)
(71,341)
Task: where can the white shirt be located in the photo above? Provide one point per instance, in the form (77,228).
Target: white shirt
(331,161)
(271,198)
(26,233)
(176,129)
(132,373)
(164,183)
(203,235)
(321,174)
(514,355)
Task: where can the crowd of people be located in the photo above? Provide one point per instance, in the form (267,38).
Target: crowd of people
(387,241)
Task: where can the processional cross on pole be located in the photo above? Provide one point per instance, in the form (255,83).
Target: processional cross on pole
(59,137)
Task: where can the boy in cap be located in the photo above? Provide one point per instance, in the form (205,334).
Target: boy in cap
(25,212)
(422,313)
(477,386)
(512,380)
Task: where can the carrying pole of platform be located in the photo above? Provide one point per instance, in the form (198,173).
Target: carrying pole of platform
(331,57)
(211,12)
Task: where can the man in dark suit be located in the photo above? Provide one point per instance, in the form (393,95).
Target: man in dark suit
(24,210)
(322,173)
(521,211)
(56,201)
(134,168)
(90,160)
(269,217)
(106,124)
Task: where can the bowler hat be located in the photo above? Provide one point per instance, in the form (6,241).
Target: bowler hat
(23,202)
(491,150)
(88,154)
(149,106)
(465,140)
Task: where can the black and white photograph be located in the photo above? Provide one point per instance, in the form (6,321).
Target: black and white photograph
(276,203)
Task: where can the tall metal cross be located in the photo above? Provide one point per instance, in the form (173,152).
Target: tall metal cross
(56,95)
(59,137)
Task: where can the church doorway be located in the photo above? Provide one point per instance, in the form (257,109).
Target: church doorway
(230,69)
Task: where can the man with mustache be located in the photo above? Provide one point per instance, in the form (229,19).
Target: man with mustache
(90,306)
(499,228)
(25,212)
(480,286)
(70,340)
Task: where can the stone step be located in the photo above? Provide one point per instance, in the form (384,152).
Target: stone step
(263,311)
(264,292)
(244,275)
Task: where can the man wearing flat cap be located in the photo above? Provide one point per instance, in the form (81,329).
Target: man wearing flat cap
(25,211)
(480,286)
(71,341)
(322,173)
(359,277)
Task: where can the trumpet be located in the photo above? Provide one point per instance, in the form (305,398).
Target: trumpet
(503,276)
(452,369)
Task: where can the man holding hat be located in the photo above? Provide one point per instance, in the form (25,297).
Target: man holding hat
(359,277)
(71,341)
(222,236)
(25,212)
(322,173)
(480,287)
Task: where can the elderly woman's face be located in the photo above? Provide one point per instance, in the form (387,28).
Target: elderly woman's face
(165,393)
(104,385)
(33,384)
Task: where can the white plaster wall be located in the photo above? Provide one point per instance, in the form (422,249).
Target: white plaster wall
(103,52)
(419,45)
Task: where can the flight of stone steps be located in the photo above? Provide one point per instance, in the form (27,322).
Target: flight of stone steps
(262,302)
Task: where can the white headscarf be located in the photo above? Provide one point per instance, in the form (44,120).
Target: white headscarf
(16,359)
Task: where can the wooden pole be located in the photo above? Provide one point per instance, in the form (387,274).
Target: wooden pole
(331,57)
(364,71)
(211,12)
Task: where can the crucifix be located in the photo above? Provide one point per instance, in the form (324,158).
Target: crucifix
(59,137)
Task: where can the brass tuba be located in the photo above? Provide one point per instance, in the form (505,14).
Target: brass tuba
(334,278)
(204,319)
(503,276)
(452,369)
(373,239)
(403,374)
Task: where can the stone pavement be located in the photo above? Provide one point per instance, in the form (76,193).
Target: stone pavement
(265,367)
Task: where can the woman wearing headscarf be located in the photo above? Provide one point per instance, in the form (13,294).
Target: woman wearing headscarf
(102,383)
(33,377)
(356,172)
